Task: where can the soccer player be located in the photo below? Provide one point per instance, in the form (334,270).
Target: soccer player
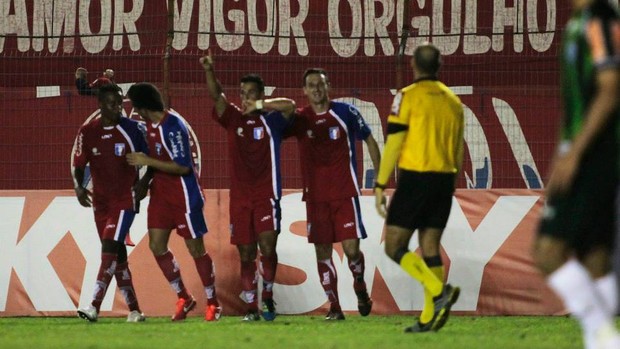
(176,198)
(91,89)
(254,137)
(425,136)
(326,131)
(103,144)
(576,233)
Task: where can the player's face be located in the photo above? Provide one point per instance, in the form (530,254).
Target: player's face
(111,106)
(249,92)
(316,88)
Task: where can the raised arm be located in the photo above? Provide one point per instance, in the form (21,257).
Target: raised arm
(213,85)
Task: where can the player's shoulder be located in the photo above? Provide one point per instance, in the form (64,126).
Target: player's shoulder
(91,126)
(344,109)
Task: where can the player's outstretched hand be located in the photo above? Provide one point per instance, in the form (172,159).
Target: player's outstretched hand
(207,61)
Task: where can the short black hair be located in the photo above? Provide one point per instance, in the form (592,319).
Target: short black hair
(109,88)
(254,78)
(311,71)
(427,59)
(144,95)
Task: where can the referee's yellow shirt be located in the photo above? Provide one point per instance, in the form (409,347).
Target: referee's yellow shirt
(434,117)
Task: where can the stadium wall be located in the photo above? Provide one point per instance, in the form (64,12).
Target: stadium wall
(50,254)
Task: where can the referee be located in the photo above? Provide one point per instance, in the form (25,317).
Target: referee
(425,135)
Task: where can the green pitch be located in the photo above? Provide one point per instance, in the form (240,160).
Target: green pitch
(312,332)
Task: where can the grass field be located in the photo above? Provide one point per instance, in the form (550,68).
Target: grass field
(311,332)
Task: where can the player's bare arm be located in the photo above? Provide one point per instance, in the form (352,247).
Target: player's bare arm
(374,152)
(213,85)
(83,195)
(606,100)
(141,187)
(171,167)
(391,154)
(286,106)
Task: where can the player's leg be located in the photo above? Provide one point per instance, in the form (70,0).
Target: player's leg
(124,280)
(122,274)
(436,308)
(429,245)
(107,267)
(242,235)
(350,230)
(329,279)
(192,227)
(267,241)
(249,280)
(321,233)
(598,263)
(158,243)
(267,216)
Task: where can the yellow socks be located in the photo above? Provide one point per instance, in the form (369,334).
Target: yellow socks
(429,305)
(414,265)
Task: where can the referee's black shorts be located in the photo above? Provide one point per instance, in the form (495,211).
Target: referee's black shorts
(421,200)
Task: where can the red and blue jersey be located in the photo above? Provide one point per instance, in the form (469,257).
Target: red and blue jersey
(254,147)
(327,150)
(104,150)
(168,140)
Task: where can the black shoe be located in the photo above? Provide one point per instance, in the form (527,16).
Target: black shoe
(449,296)
(364,303)
(334,315)
(419,327)
(252,315)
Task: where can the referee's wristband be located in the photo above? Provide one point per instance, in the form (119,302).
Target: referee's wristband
(380,186)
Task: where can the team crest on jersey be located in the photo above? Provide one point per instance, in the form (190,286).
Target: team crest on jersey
(334,132)
(119,149)
(259,132)
(158,148)
(310,134)
(95,151)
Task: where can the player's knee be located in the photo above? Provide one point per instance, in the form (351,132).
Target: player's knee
(158,248)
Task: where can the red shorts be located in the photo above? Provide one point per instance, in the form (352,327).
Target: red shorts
(249,219)
(334,221)
(188,225)
(113,224)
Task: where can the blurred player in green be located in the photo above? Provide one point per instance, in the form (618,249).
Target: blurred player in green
(576,232)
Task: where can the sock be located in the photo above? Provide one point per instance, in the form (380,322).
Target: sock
(329,281)
(268,266)
(106,271)
(414,265)
(125,284)
(249,279)
(436,266)
(204,265)
(573,284)
(357,269)
(607,288)
(172,272)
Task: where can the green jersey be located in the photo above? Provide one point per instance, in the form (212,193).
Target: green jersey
(591,43)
